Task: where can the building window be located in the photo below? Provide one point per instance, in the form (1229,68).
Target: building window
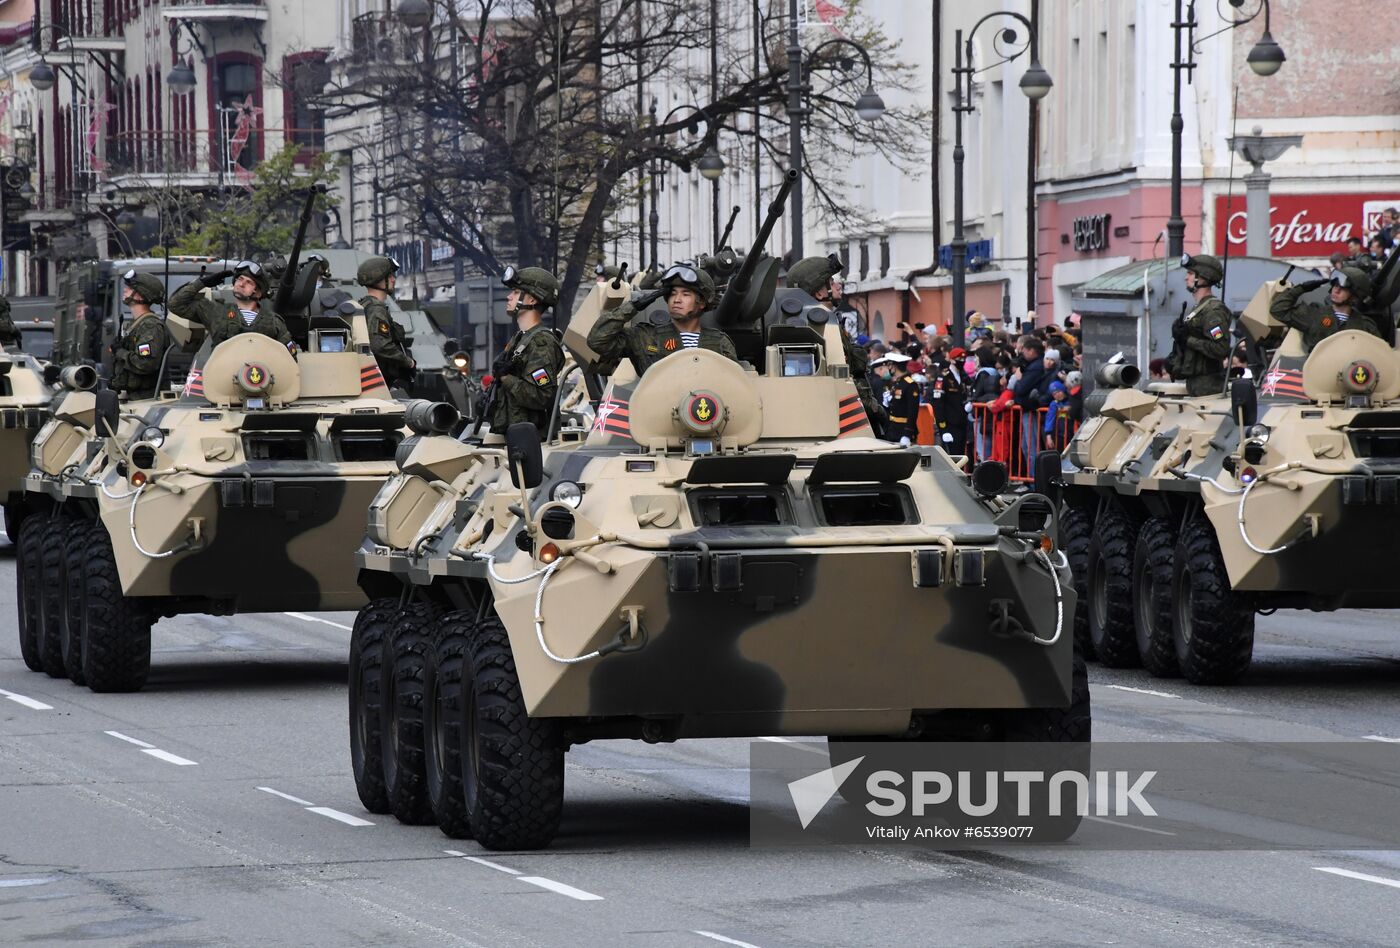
(884,256)
(304,77)
(864,258)
(238,106)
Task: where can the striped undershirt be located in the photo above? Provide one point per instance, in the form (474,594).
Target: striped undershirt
(249,316)
(691,340)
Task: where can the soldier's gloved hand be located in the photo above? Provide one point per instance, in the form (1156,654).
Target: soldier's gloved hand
(904,441)
(501,367)
(1179,331)
(1310,285)
(641,301)
(212,280)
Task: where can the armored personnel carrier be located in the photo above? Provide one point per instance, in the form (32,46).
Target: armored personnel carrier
(1186,517)
(26,389)
(245,491)
(704,561)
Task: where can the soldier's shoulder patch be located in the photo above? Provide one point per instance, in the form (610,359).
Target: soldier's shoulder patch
(1217,331)
(384,326)
(541,376)
(143,348)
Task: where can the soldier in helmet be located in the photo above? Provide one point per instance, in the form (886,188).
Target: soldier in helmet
(222,320)
(527,370)
(137,356)
(9,332)
(1201,337)
(689,290)
(815,276)
(1350,288)
(386,337)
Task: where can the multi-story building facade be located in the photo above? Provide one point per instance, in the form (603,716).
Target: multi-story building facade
(109,131)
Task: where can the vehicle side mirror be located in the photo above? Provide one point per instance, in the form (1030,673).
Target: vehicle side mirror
(523,453)
(1244,402)
(108,410)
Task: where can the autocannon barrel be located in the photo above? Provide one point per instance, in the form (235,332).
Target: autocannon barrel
(429,418)
(284,290)
(727,313)
(78,378)
(1118,375)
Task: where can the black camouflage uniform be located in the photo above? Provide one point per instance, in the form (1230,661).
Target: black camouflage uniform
(1201,337)
(656,336)
(140,352)
(387,339)
(527,370)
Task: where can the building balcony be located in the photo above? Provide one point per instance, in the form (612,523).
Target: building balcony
(212,11)
(193,159)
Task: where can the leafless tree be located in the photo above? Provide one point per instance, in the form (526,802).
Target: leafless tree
(513,129)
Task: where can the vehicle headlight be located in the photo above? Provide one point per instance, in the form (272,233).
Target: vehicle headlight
(1258,432)
(153,436)
(567,492)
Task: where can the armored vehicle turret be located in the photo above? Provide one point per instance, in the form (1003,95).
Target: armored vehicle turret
(705,560)
(1186,517)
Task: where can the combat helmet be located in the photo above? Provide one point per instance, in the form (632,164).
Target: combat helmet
(375,270)
(691,277)
(537,281)
(1355,279)
(148,285)
(813,274)
(1205,266)
(255,272)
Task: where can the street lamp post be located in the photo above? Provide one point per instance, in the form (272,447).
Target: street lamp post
(868,108)
(710,165)
(1265,58)
(1035,83)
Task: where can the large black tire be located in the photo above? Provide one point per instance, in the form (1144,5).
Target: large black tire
(1074,723)
(1110,589)
(1076,531)
(367,642)
(116,629)
(27,584)
(1214,627)
(442,723)
(77,540)
(401,726)
(512,764)
(51,553)
(1153,556)
(14,522)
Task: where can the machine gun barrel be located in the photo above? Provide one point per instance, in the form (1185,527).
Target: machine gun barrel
(728,228)
(284,289)
(728,310)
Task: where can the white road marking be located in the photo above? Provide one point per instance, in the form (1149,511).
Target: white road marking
(170,758)
(1143,691)
(1377,737)
(130,740)
(561,888)
(345,818)
(26,701)
(306,618)
(17,883)
(720,938)
(1364,877)
(286,796)
(491,865)
(1130,826)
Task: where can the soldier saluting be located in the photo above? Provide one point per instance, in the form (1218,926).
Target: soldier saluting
(1350,287)
(223,321)
(1201,338)
(138,354)
(386,337)
(688,291)
(527,370)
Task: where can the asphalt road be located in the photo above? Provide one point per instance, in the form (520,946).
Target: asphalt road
(216,807)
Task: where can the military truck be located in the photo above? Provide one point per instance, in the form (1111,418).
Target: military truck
(1186,517)
(703,561)
(245,491)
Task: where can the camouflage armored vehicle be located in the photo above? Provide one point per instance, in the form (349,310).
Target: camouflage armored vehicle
(705,560)
(245,491)
(1186,517)
(26,389)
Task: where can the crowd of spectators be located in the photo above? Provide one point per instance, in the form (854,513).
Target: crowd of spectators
(993,394)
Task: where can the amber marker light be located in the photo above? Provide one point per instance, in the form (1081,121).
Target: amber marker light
(549,553)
